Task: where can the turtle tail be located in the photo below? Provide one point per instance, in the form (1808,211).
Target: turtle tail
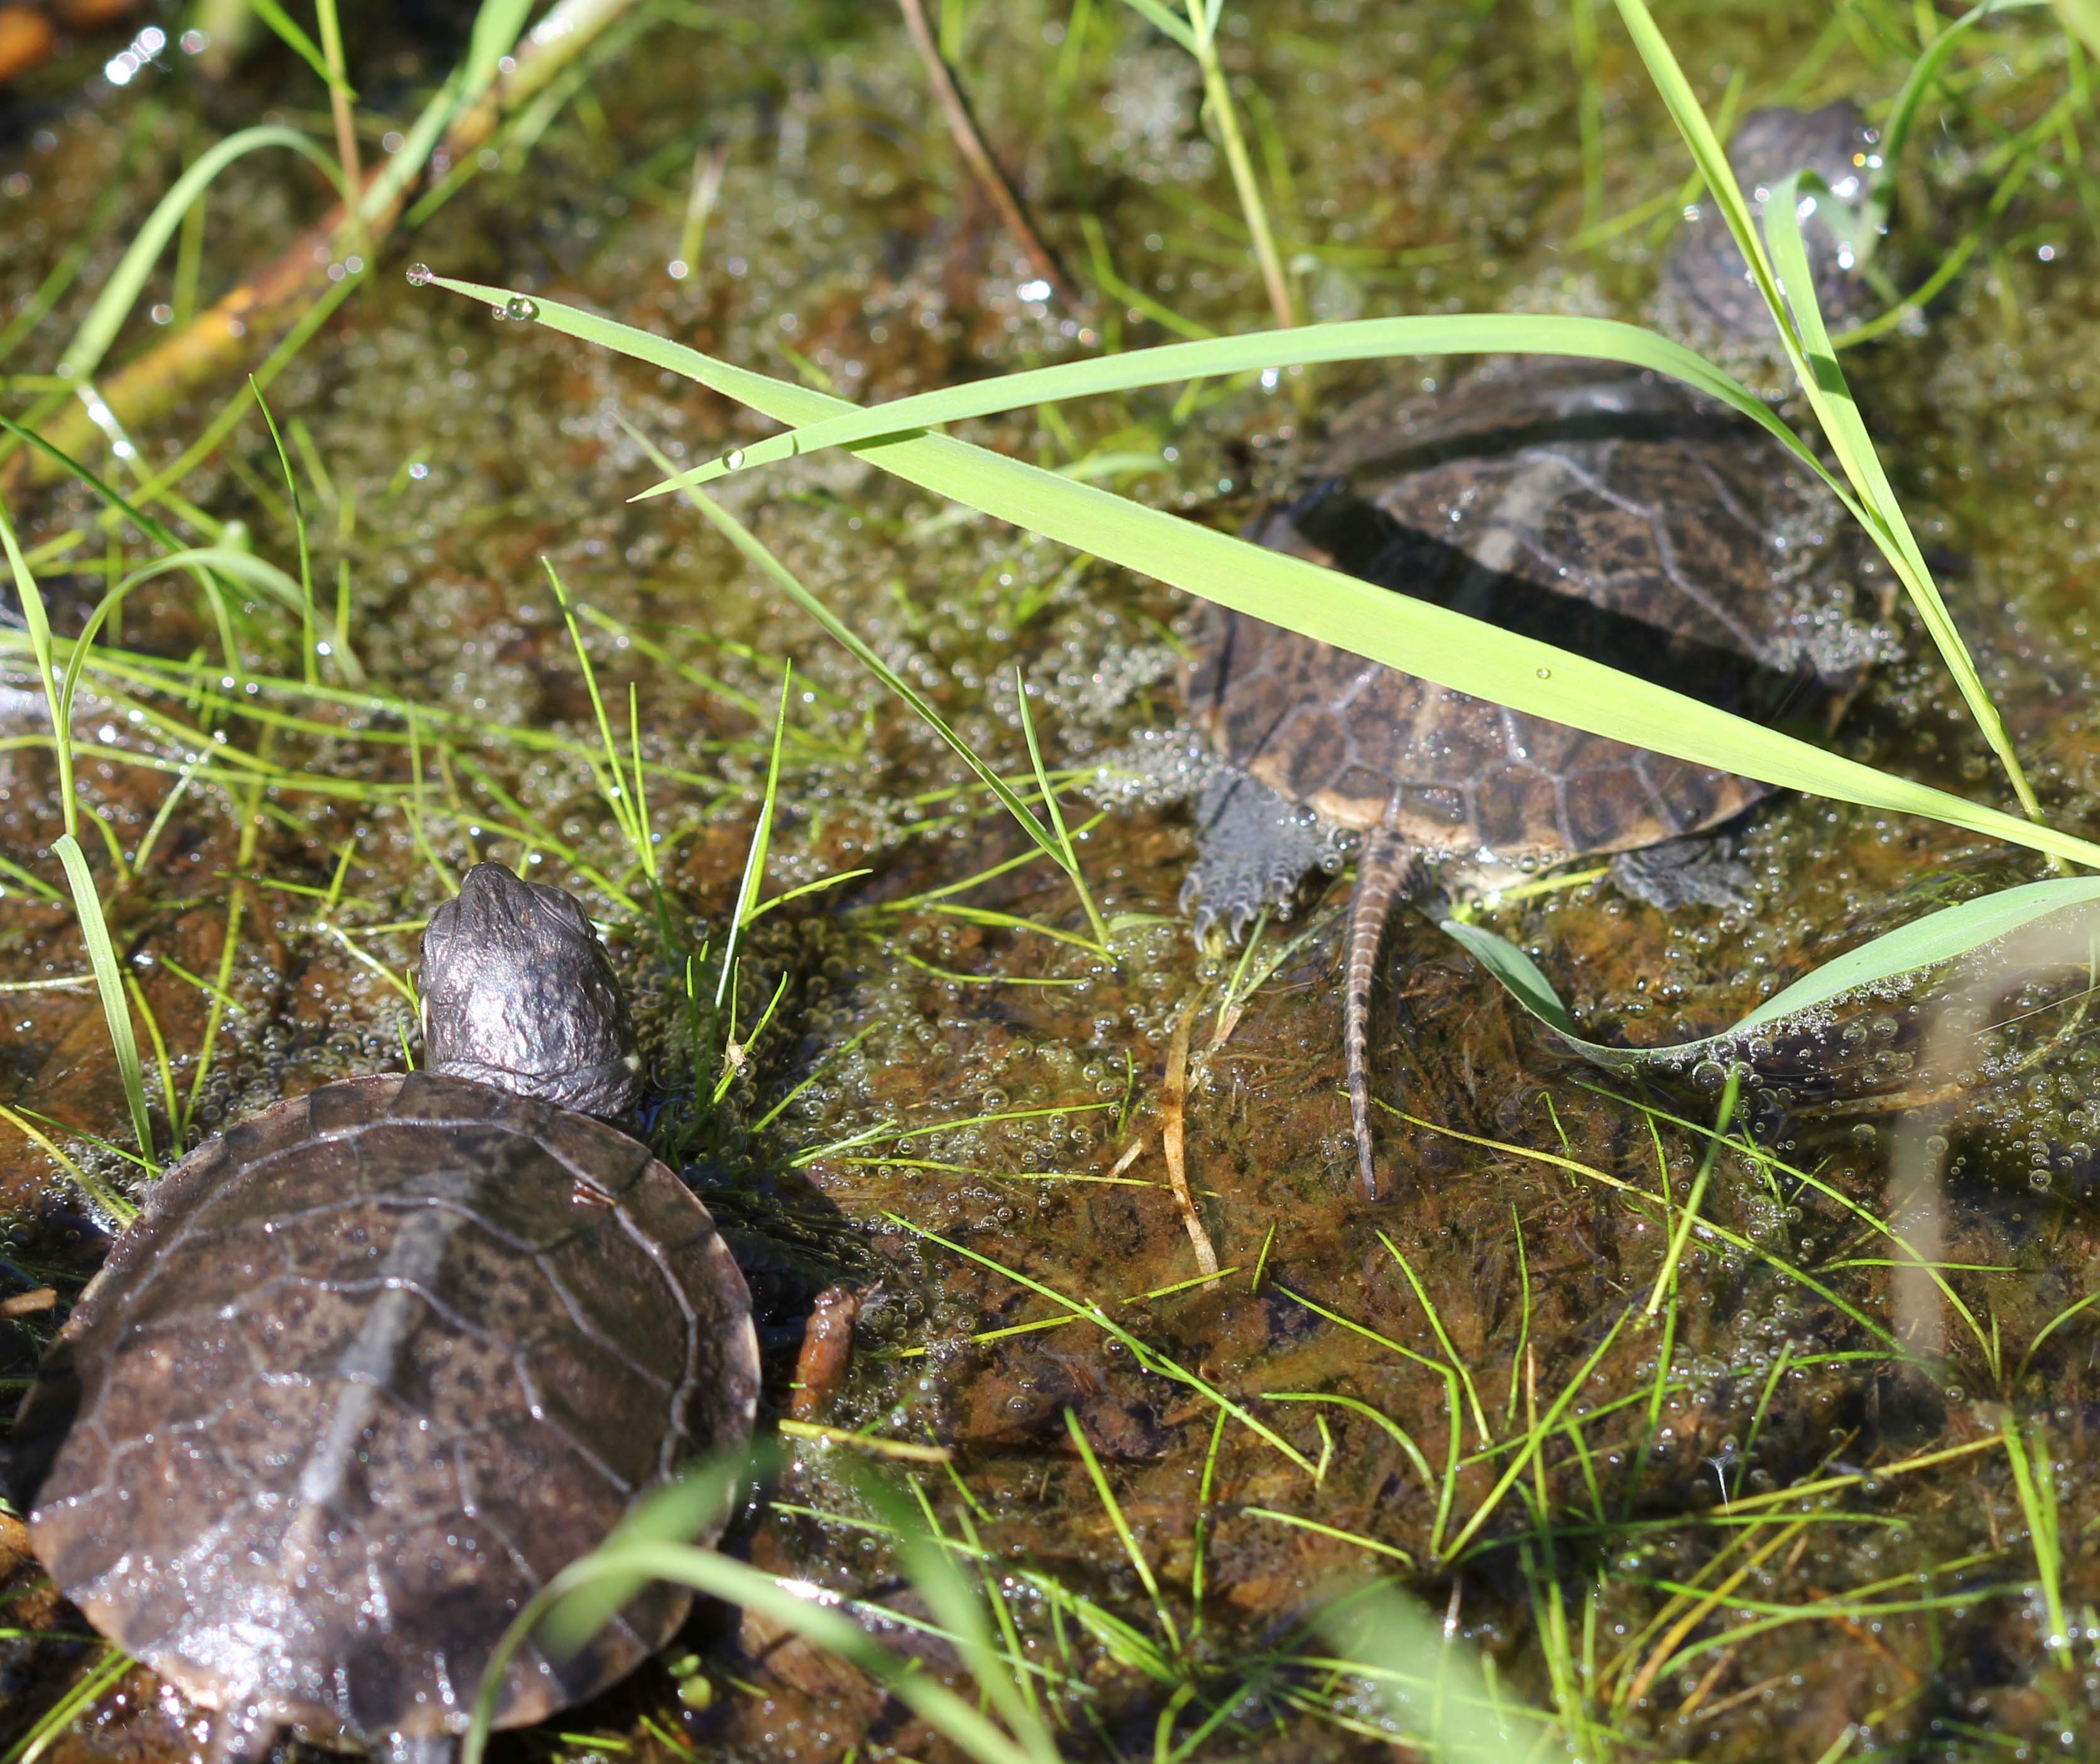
(1387,868)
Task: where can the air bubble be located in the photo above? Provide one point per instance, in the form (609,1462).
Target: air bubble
(419,274)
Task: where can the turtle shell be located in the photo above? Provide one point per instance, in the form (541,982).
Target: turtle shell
(370,1370)
(1610,512)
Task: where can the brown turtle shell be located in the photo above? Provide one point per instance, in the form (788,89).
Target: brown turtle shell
(1608,512)
(370,1369)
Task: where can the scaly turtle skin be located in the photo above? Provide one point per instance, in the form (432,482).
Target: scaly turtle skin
(376,1365)
(1607,511)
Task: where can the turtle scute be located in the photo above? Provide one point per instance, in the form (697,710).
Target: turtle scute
(369,1371)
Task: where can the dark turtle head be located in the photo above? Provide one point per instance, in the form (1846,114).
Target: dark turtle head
(1704,279)
(519,992)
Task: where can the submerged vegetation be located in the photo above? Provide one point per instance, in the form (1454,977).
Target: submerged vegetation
(1724,1394)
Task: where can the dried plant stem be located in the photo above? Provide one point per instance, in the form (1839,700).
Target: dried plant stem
(1225,116)
(1173,1137)
(971,144)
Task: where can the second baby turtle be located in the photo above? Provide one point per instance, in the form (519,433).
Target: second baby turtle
(1608,511)
(376,1365)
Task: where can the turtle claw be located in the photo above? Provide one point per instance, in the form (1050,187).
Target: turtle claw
(1685,872)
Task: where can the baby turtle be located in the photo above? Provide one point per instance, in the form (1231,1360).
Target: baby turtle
(1605,510)
(377,1364)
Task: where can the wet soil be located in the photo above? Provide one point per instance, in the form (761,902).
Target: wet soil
(960,1116)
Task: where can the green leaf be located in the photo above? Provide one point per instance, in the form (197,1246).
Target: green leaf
(299,43)
(1470,333)
(1160,19)
(639,1552)
(1807,349)
(2082,19)
(109,983)
(34,616)
(1903,114)
(1431,642)
(83,355)
(1832,397)
(1938,937)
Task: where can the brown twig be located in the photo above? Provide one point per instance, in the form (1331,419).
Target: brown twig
(970,145)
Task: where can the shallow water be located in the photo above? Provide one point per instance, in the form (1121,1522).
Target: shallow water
(1434,158)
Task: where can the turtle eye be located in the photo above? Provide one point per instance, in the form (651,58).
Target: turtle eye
(563,905)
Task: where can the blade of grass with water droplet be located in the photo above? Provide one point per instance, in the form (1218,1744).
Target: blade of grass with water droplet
(1469,334)
(1806,345)
(1431,642)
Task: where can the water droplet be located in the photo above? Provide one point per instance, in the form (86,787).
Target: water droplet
(419,274)
(1546,673)
(518,307)
(733,459)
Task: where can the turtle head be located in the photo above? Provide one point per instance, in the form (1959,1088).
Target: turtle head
(518,992)
(1705,275)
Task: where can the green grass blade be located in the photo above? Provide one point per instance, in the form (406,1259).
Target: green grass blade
(309,665)
(1069,861)
(83,355)
(298,42)
(1154,13)
(735,1583)
(1903,114)
(840,633)
(761,836)
(113,1205)
(633,824)
(1938,937)
(40,646)
(1134,1550)
(959,1609)
(1420,638)
(241,566)
(109,983)
(1466,333)
(1807,348)
(1832,397)
(1429,1681)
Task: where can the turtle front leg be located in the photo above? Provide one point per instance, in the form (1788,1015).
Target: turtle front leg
(1388,869)
(1699,871)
